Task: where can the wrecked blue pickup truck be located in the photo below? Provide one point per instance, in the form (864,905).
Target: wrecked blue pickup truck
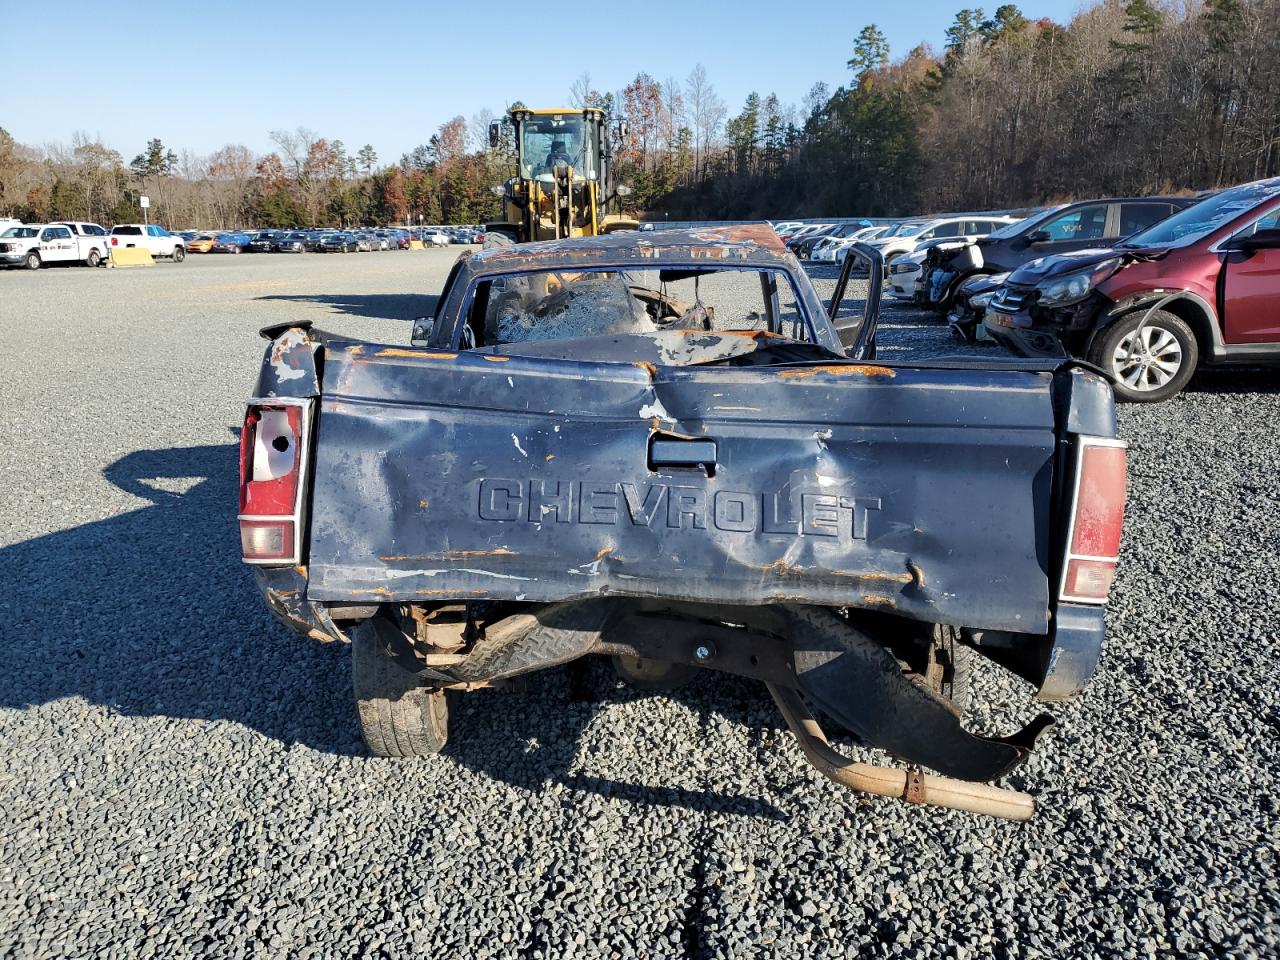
(662,448)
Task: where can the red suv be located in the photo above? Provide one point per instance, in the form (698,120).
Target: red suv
(1202,286)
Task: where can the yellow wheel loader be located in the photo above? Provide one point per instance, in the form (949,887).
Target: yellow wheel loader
(562,186)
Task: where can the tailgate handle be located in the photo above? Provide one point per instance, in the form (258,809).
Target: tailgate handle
(667,451)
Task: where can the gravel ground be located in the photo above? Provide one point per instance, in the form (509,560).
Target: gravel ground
(182,777)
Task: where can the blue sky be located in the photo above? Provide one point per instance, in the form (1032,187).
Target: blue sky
(388,73)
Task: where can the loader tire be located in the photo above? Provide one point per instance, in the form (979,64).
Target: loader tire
(493,239)
(401,715)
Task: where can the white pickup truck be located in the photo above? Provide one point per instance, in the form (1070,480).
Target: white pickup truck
(93,239)
(157,239)
(33,245)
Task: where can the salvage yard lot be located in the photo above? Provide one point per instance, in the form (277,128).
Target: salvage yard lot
(179,770)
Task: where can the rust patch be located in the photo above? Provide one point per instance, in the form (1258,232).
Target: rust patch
(917,575)
(549,457)
(880,577)
(376,591)
(879,600)
(300,570)
(452,592)
(415,354)
(747,334)
(355,350)
(780,567)
(450,555)
(422,504)
(493,359)
(604,552)
(647,367)
(838,370)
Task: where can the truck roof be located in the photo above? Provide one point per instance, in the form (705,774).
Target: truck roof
(752,245)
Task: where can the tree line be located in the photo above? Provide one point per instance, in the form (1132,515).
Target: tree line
(1130,96)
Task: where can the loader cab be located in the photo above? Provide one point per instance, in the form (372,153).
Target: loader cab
(548,142)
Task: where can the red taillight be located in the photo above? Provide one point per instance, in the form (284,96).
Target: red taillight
(115,242)
(272,463)
(1097,517)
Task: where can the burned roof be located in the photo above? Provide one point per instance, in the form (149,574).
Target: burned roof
(750,245)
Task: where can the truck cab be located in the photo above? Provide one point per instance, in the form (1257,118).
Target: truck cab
(91,238)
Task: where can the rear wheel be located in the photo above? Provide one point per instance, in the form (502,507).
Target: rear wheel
(93,259)
(401,715)
(33,261)
(1151,360)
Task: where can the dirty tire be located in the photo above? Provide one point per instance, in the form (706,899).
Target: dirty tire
(400,715)
(1173,348)
(494,239)
(180,254)
(33,261)
(93,259)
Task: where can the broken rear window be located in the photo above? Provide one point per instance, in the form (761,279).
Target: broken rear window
(566,305)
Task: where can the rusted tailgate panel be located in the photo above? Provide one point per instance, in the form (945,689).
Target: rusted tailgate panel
(925,492)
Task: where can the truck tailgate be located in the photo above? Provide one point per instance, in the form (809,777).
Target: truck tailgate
(459,475)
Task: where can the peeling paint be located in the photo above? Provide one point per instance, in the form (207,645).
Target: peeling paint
(837,370)
(655,410)
(396,352)
(451,555)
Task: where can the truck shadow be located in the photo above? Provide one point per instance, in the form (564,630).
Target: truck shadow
(150,614)
(543,734)
(378,306)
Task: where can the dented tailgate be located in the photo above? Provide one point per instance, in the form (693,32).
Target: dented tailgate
(463,475)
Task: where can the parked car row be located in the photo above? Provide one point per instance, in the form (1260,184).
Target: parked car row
(1145,288)
(35,245)
(295,241)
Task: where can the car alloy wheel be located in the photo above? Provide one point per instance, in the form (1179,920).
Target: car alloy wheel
(1147,359)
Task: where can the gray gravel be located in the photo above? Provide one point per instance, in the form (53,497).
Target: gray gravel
(182,777)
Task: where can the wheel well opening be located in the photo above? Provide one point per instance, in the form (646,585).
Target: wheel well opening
(1193,315)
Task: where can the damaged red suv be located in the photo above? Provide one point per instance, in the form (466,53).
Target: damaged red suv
(1202,286)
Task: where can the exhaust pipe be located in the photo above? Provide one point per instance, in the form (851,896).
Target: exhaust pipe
(909,785)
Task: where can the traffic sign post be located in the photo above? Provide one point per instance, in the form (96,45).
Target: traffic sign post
(146,203)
